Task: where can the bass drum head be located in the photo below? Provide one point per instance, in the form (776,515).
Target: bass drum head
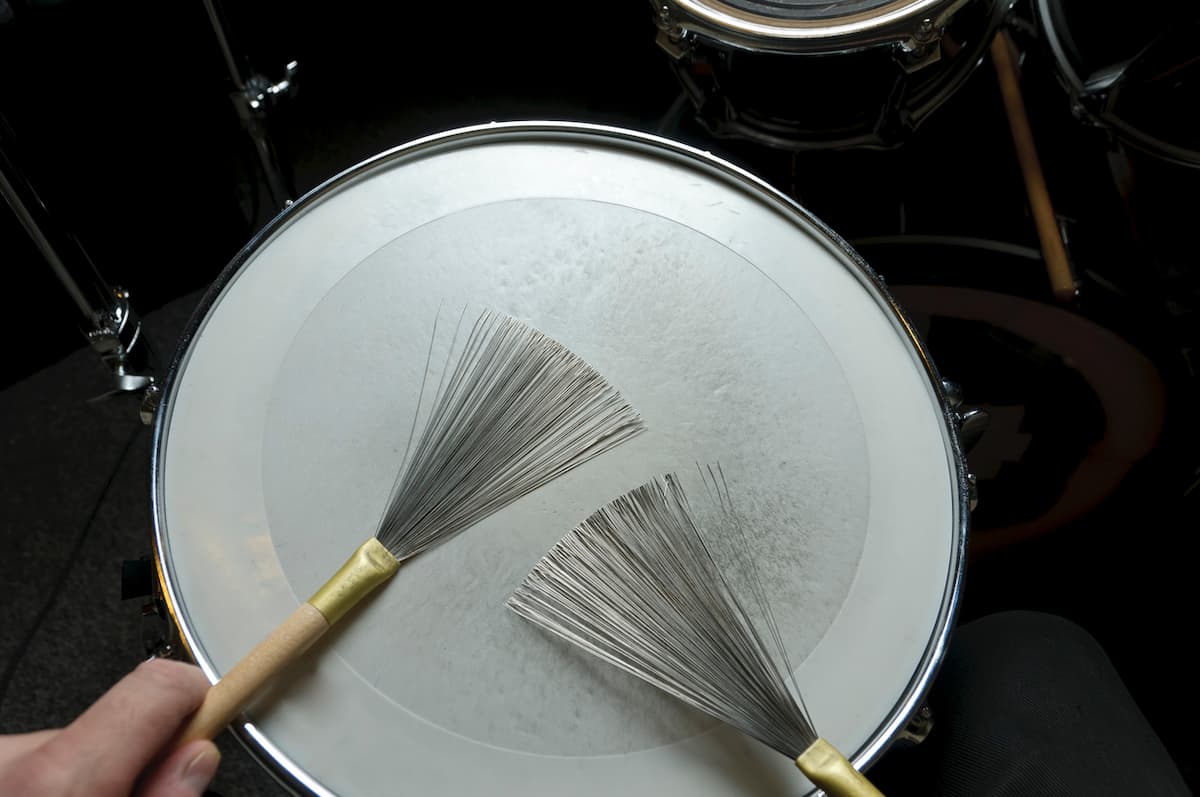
(1073,405)
(741,329)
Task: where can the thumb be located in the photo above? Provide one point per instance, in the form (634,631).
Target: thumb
(185,773)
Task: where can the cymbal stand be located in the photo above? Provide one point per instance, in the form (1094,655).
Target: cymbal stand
(108,322)
(254,97)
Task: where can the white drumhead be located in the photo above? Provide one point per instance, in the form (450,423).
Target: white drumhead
(740,330)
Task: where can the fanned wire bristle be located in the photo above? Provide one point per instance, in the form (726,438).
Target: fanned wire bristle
(636,585)
(517,410)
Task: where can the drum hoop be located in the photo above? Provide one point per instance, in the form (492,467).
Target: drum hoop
(897,21)
(887,130)
(1106,116)
(282,767)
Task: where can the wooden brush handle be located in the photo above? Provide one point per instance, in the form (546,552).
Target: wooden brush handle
(239,686)
(829,770)
(1058,267)
(368,567)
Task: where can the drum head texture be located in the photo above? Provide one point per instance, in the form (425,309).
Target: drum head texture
(742,331)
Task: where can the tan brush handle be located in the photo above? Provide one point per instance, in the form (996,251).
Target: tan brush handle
(1058,267)
(366,569)
(228,697)
(829,770)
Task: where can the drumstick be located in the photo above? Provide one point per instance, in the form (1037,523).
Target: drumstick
(516,411)
(636,585)
(1054,253)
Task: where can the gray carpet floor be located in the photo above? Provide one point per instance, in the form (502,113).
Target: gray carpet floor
(75,504)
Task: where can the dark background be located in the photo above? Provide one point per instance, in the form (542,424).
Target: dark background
(124,120)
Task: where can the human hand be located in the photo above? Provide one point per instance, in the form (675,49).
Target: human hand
(118,744)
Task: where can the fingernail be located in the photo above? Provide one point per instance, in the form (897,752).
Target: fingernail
(200,770)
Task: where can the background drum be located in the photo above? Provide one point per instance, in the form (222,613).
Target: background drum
(742,330)
(817,75)
(1076,396)
(1135,76)
(1132,82)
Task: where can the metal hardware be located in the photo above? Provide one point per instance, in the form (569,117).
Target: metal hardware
(922,48)
(672,37)
(109,324)
(254,99)
(160,649)
(150,399)
(918,728)
(159,638)
(972,423)
(115,338)
(253,104)
(953,393)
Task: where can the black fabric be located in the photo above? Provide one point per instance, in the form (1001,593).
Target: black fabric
(1029,704)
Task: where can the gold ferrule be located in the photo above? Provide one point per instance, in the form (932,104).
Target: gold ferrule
(829,770)
(366,569)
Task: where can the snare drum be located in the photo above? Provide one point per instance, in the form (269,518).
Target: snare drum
(740,327)
(806,75)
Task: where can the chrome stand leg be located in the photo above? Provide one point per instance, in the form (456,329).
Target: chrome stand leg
(111,327)
(254,97)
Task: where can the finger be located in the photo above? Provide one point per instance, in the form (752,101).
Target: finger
(110,744)
(18,745)
(186,772)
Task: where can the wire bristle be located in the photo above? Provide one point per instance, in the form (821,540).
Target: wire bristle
(517,410)
(636,585)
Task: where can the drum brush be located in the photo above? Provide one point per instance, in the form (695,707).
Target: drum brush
(517,410)
(637,585)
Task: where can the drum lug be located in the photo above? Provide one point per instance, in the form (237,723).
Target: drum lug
(156,632)
(972,423)
(150,401)
(672,37)
(918,727)
(972,492)
(922,48)
(953,393)
(1092,100)
(924,43)
(137,581)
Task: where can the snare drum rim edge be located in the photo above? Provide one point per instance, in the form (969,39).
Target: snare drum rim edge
(291,775)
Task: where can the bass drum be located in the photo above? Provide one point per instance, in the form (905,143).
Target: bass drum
(802,75)
(740,328)
(1072,404)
